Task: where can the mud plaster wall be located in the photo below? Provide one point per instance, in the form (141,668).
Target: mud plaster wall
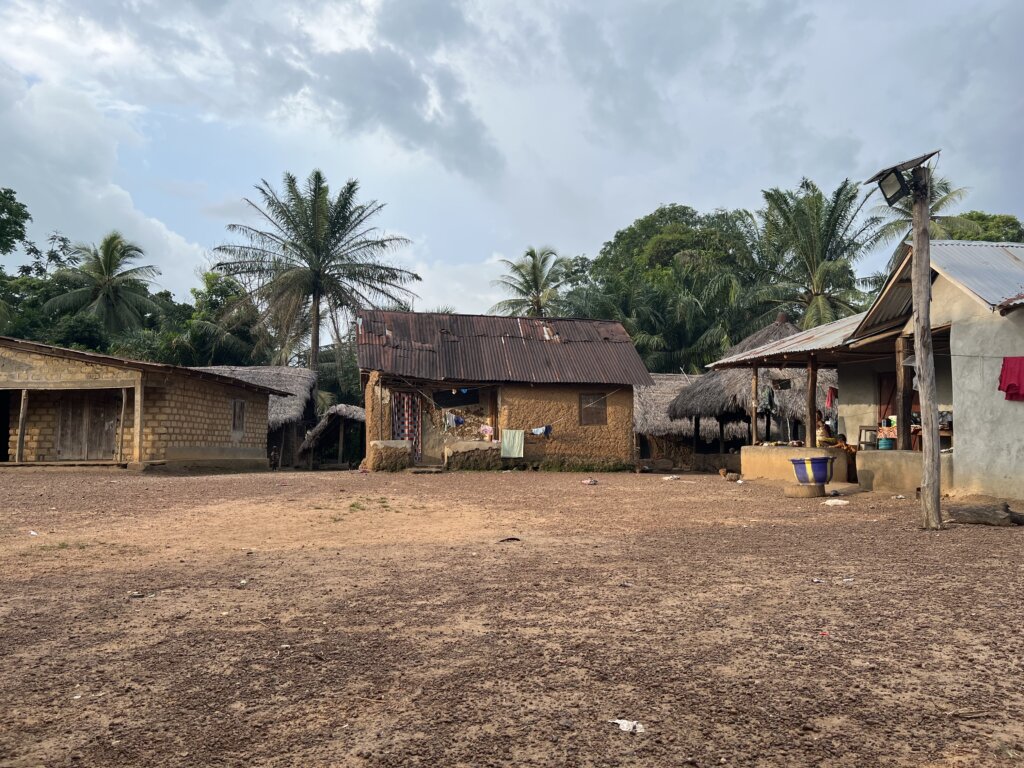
(377,400)
(525,407)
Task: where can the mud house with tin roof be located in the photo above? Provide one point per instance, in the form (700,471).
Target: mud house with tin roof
(554,393)
(66,406)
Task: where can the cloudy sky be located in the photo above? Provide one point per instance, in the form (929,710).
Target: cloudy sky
(489,126)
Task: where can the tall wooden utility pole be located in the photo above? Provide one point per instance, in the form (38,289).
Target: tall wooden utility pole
(924,359)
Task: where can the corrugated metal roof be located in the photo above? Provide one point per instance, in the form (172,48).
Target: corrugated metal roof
(991,272)
(486,348)
(823,337)
(994,272)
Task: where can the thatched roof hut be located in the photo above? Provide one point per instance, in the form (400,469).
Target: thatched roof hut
(282,410)
(725,393)
(651,404)
(342,411)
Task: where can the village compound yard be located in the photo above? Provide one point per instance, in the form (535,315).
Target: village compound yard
(496,618)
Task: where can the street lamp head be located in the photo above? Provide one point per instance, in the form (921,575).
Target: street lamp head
(893,182)
(894,187)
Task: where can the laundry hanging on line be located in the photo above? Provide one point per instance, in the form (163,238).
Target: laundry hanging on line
(545,431)
(1011,378)
(831,397)
(512,441)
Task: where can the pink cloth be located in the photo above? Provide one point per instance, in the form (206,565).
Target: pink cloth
(830,397)
(1011,378)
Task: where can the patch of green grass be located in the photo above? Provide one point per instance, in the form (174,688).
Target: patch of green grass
(355,506)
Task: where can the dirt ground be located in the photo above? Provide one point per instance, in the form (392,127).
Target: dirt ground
(338,619)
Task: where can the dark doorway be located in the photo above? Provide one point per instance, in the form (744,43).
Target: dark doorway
(5,425)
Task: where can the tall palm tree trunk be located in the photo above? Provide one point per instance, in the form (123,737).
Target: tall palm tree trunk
(314,335)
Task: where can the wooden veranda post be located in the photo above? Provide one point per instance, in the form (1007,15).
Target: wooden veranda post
(924,360)
(904,396)
(753,409)
(812,402)
(120,425)
(19,448)
(137,424)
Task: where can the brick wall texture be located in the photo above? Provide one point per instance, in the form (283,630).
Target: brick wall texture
(183,417)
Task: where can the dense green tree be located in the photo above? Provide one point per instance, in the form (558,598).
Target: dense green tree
(534,283)
(14,216)
(315,252)
(107,285)
(992,227)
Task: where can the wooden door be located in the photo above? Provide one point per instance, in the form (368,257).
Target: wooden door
(104,410)
(87,426)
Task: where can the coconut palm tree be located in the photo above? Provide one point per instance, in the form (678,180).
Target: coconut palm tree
(104,283)
(533,281)
(315,253)
(821,238)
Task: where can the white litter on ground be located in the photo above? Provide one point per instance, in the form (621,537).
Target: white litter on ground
(835,503)
(630,726)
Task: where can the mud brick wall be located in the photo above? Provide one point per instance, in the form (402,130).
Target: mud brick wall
(186,418)
(40,426)
(525,407)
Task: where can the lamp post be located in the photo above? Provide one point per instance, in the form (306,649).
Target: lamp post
(894,186)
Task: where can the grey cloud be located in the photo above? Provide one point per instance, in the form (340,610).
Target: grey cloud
(421,26)
(384,89)
(237,60)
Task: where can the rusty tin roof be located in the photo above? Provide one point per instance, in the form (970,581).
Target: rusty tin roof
(487,348)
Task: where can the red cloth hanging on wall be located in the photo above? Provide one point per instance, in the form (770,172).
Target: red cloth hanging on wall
(1011,378)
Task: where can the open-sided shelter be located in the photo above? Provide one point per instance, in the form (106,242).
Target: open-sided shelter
(64,405)
(777,397)
(338,439)
(555,392)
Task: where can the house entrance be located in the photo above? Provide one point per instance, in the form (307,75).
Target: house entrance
(87,425)
(406,421)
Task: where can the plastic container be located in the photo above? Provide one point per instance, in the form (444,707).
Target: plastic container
(886,444)
(815,471)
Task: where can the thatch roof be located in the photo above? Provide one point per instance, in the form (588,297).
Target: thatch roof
(650,405)
(282,410)
(335,412)
(726,392)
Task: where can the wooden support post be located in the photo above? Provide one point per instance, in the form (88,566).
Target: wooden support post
(721,436)
(753,409)
(120,425)
(921,279)
(137,424)
(19,450)
(696,432)
(341,439)
(904,395)
(812,402)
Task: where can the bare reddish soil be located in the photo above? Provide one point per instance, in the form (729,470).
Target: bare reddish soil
(341,619)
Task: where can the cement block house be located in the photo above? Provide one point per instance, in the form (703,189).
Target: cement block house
(62,405)
(977,314)
(452,384)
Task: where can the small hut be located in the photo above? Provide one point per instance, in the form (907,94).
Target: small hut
(723,397)
(288,418)
(338,439)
